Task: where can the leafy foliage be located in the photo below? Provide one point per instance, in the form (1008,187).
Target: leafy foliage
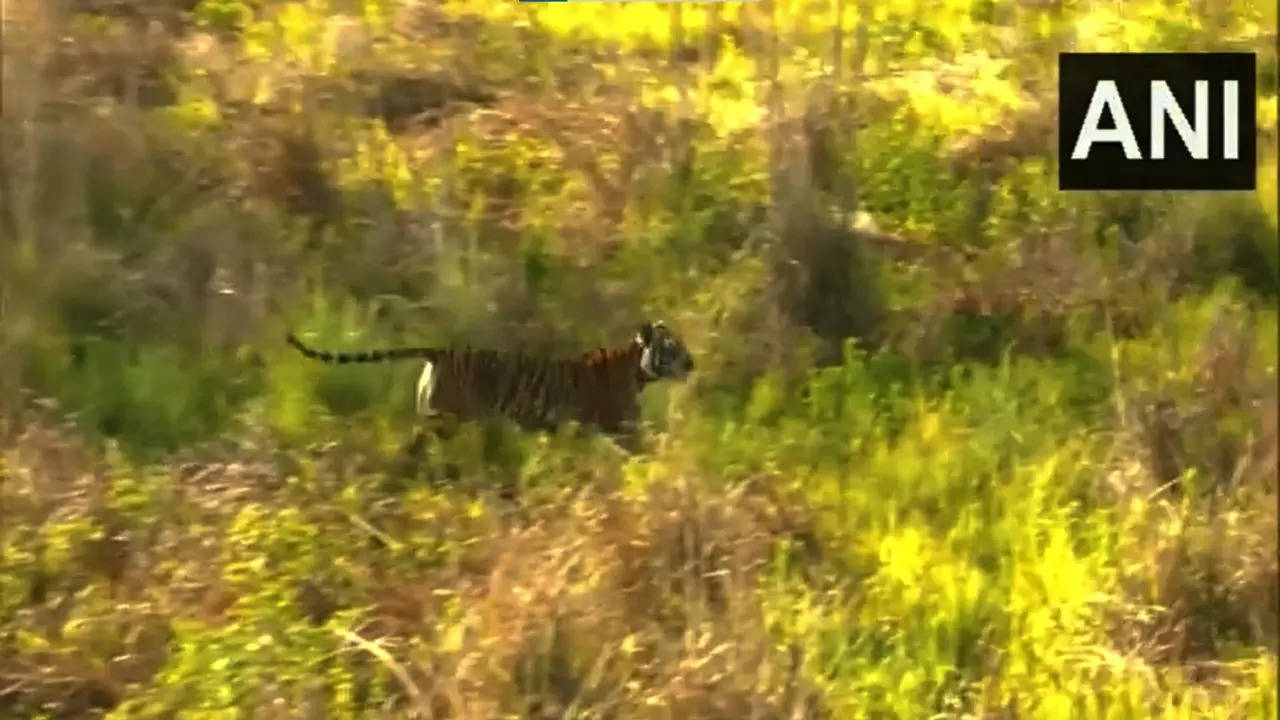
(958,445)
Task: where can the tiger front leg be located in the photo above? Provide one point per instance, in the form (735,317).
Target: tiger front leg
(627,439)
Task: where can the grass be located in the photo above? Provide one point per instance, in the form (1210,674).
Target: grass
(1012,456)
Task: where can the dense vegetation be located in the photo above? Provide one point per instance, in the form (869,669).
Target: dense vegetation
(958,444)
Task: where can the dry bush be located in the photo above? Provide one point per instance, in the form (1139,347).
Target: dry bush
(76,604)
(1025,133)
(284,163)
(1033,293)
(102,561)
(404,101)
(606,606)
(129,60)
(601,147)
(1197,504)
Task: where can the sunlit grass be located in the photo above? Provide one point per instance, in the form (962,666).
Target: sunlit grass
(1047,489)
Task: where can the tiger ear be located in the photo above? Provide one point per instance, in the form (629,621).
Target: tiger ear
(645,335)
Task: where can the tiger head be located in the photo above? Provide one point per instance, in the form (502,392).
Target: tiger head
(663,354)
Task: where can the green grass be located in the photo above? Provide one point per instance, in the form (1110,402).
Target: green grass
(1039,482)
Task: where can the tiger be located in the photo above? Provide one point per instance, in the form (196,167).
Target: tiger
(599,388)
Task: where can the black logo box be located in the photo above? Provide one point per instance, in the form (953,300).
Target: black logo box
(1107,168)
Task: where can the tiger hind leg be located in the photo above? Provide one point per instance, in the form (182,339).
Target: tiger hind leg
(432,427)
(440,424)
(424,455)
(426,388)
